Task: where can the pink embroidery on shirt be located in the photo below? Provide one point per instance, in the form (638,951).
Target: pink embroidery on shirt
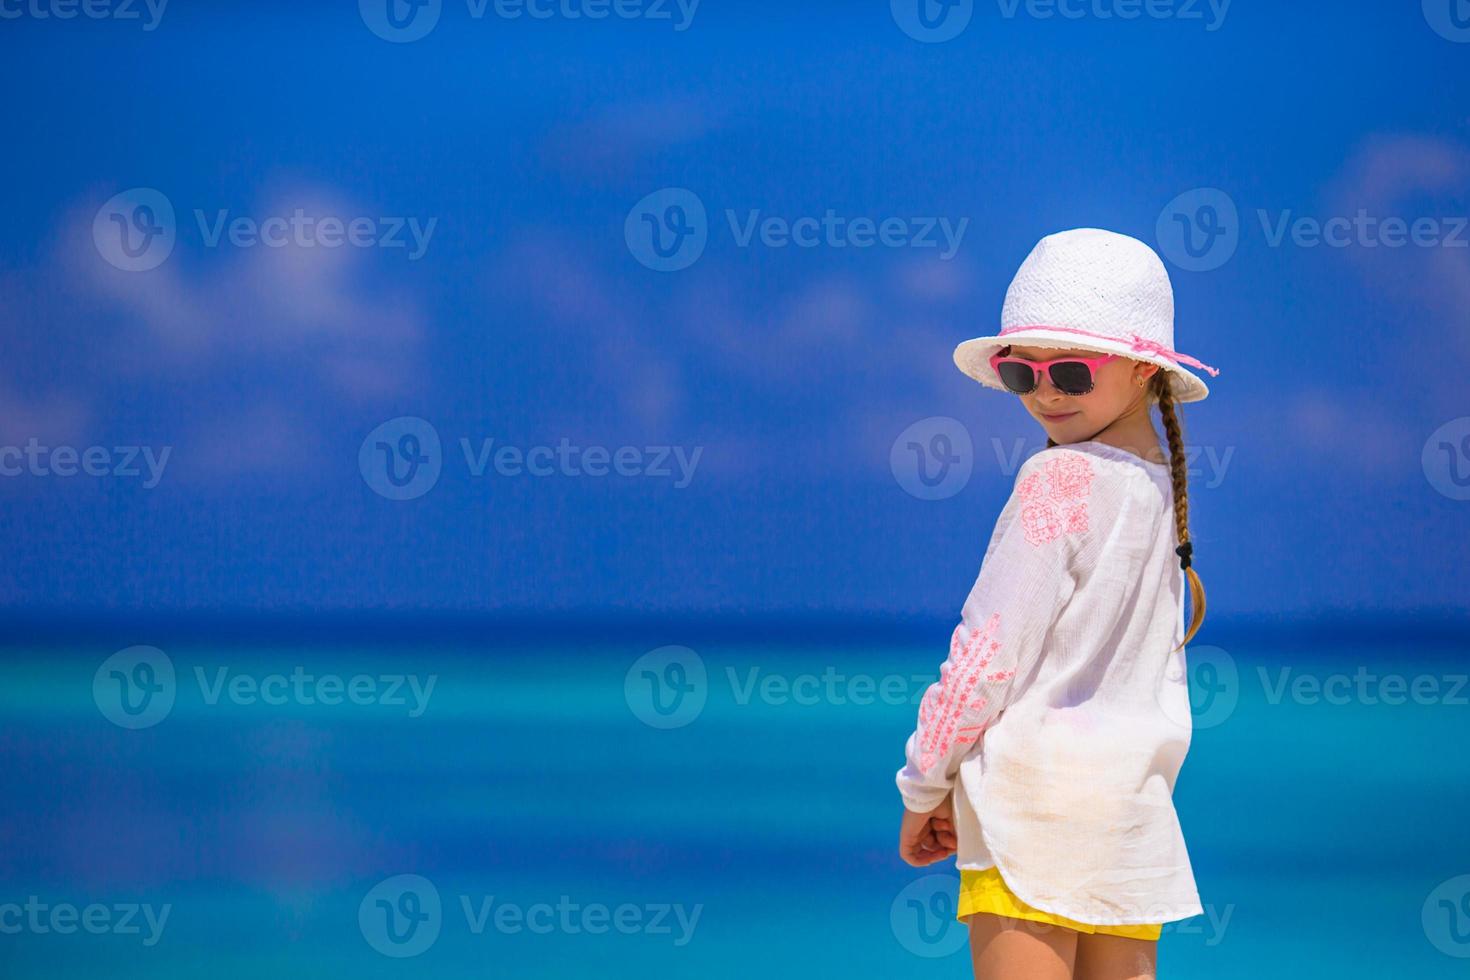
(1054,501)
(1041,522)
(946,703)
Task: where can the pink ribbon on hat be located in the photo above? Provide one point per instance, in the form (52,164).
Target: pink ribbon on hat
(1141,344)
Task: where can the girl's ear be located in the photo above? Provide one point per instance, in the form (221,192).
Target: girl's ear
(1144,371)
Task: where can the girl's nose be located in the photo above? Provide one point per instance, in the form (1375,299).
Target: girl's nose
(1045,389)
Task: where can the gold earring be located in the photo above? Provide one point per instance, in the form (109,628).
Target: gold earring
(1140,381)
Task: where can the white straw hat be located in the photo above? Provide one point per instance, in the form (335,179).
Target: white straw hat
(1095,290)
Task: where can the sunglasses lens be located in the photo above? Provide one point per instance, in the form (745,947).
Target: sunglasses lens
(1072,377)
(1018,378)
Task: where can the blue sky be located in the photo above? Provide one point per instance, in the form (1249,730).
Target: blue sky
(517,149)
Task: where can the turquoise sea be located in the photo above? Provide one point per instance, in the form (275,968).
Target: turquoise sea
(605,805)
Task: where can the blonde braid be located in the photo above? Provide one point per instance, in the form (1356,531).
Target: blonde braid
(1178,468)
(1179,473)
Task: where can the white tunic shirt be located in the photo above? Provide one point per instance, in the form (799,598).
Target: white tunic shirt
(1062,708)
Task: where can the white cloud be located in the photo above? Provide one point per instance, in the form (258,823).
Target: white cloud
(1410,177)
(798,383)
(241,351)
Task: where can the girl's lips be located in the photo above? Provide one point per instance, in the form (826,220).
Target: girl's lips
(1058,418)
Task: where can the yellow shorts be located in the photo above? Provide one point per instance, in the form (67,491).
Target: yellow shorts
(986,891)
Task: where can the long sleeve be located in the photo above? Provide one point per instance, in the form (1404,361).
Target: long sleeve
(1029,572)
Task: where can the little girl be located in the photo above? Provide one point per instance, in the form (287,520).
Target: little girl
(1062,711)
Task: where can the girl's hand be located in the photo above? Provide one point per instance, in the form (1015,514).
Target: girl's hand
(924,838)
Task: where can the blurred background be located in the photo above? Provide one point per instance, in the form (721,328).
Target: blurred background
(452,452)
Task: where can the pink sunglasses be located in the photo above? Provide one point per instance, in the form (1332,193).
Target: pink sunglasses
(1069,375)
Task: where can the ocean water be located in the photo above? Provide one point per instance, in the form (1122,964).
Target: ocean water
(608,806)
